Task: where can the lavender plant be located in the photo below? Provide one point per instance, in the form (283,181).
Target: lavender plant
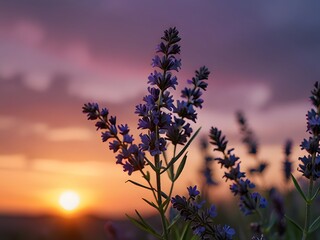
(310,165)
(207,169)
(194,210)
(251,142)
(287,164)
(162,121)
(250,202)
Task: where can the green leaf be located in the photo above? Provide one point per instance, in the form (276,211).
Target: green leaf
(143,225)
(166,202)
(315,194)
(150,164)
(272,221)
(181,167)
(170,174)
(194,237)
(140,185)
(147,176)
(315,225)
(164,195)
(294,223)
(152,204)
(164,154)
(173,160)
(174,221)
(184,232)
(296,184)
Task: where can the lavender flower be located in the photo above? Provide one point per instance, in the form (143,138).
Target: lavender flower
(250,140)
(163,119)
(207,169)
(287,164)
(310,164)
(248,136)
(194,211)
(129,155)
(193,191)
(249,202)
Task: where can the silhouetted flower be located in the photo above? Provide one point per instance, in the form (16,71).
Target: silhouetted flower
(201,218)
(249,202)
(218,140)
(241,187)
(207,168)
(311,145)
(92,110)
(287,164)
(162,118)
(152,144)
(193,191)
(248,136)
(250,140)
(310,164)
(308,168)
(178,132)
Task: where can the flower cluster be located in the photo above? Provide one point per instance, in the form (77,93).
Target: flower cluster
(287,164)
(249,201)
(248,136)
(310,166)
(201,217)
(130,156)
(250,140)
(164,120)
(207,170)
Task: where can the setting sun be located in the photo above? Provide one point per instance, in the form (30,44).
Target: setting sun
(69,200)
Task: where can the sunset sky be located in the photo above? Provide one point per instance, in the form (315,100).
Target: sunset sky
(56,55)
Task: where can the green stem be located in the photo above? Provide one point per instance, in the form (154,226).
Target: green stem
(149,183)
(308,204)
(159,198)
(172,183)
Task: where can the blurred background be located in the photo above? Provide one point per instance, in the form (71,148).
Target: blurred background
(56,55)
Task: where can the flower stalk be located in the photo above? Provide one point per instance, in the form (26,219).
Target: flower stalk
(163,122)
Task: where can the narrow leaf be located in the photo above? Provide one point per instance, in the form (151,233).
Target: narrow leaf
(184,232)
(173,160)
(296,184)
(294,223)
(315,225)
(315,194)
(194,237)
(181,167)
(166,202)
(143,227)
(272,221)
(152,204)
(170,174)
(147,176)
(150,163)
(139,184)
(146,224)
(174,221)
(164,195)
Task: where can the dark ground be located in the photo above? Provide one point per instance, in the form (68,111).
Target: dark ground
(58,228)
